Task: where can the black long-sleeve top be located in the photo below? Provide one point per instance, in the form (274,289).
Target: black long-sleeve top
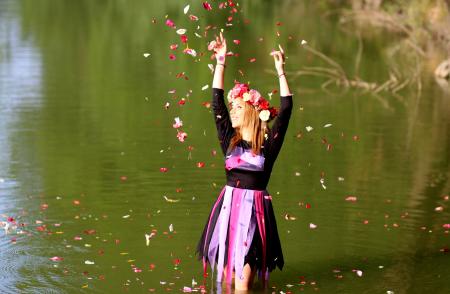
(247,179)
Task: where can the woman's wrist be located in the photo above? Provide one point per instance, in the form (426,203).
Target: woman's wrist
(280,74)
(220,59)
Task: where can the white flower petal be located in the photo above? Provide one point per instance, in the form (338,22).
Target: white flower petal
(205,87)
(181,31)
(146,55)
(186,9)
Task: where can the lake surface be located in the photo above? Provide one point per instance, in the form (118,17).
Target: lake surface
(361,199)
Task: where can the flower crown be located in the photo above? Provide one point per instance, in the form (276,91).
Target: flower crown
(254,98)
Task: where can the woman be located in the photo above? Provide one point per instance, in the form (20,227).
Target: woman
(240,237)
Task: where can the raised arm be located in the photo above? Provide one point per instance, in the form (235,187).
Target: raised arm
(222,118)
(220,52)
(280,125)
(279,60)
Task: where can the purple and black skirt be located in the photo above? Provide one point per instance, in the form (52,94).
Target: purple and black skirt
(241,227)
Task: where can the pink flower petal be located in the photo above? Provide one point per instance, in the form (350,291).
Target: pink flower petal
(170,23)
(56,258)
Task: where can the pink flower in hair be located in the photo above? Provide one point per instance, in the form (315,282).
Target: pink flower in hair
(244,89)
(255,97)
(235,92)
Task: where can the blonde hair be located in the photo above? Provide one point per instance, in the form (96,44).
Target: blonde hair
(257,127)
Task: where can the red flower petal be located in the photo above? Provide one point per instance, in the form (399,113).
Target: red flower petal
(206,5)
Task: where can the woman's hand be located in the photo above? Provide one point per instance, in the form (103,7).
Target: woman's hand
(278,57)
(220,48)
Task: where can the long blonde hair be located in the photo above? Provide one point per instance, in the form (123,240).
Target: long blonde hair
(257,127)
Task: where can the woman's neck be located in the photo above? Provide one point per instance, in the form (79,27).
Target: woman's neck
(246,134)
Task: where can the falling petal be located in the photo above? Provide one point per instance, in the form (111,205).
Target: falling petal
(197,35)
(205,87)
(327,125)
(171,228)
(287,216)
(147,239)
(170,23)
(351,198)
(206,5)
(190,51)
(178,123)
(170,200)
(89,262)
(173,46)
(181,31)
(146,55)
(186,9)
(312,226)
(181,136)
(193,17)
(211,45)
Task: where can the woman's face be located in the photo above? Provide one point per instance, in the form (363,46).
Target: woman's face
(237,112)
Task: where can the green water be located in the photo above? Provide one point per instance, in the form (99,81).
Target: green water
(84,132)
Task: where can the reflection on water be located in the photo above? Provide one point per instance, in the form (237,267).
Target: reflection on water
(361,205)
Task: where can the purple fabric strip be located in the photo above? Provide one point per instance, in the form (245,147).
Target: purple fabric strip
(205,248)
(233,230)
(259,206)
(243,234)
(244,159)
(220,232)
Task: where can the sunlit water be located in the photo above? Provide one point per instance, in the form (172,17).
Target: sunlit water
(84,133)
